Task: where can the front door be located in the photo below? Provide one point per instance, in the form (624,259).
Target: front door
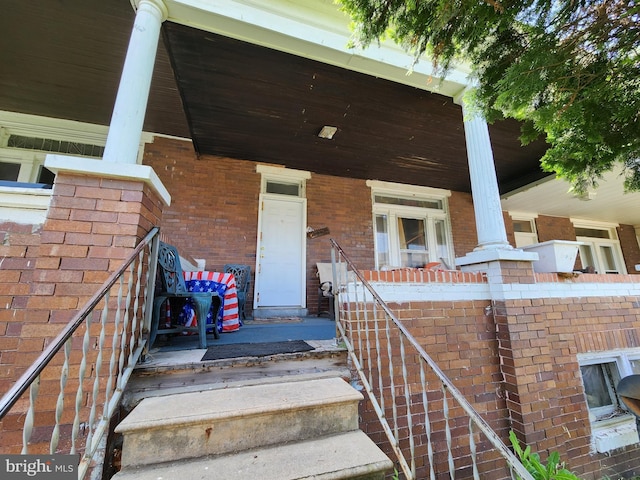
(280,266)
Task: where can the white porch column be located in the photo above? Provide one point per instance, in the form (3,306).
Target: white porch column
(129,110)
(492,234)
(484,183)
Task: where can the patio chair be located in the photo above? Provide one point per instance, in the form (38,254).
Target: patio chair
(173,287)
(242,274)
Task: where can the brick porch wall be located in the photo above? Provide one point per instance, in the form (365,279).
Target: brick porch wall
(516,361)
(91,227)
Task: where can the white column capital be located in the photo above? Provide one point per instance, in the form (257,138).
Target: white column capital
(151,5)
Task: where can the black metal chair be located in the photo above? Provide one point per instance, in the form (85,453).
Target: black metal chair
(173,287)
(242,274)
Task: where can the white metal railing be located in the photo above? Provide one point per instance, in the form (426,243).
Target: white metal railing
(87,366)
(426,419)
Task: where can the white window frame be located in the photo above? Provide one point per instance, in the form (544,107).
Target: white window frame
(30,162)
(594,245)
(523,239)
(428,215)
(612,427)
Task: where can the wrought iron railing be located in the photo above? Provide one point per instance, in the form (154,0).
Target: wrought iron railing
(86,382)
(430,426)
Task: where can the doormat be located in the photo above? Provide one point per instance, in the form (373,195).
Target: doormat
(255,349)
(272,320)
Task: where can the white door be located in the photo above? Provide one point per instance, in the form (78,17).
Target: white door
(280,266)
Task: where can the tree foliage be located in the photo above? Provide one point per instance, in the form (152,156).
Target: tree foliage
(568,69)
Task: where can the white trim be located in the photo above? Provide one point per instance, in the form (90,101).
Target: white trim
(580,222)
(124,171)
(315,29)
(27,206)
(282,173)
(402,189)
(12,123)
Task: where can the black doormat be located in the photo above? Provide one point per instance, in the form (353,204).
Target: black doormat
(255,349)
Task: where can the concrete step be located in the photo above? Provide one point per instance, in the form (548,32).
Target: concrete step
(350,455)
(181,372)
(214,422)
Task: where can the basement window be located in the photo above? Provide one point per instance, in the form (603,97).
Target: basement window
(612,425)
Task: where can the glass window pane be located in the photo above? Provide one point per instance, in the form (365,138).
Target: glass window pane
(9,171)
(606,252)
(595,386)
(382,241)
(409,202)
(413,242)
(635,366)
(411,233)
(441,240)
(46,176)
(523,226)
(592,232)
(586,256)
(292,189)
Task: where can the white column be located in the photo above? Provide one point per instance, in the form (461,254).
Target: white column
(129,110)
(484,183)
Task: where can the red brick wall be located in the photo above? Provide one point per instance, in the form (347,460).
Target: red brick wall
(539,342)
(214,211)
(18,254)
(463,223)
(91,227)
(554,228)
(630,248)
(461,338)
(525,377)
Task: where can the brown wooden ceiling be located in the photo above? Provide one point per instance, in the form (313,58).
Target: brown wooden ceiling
(242,100)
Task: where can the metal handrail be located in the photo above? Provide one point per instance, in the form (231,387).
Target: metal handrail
(131,318)
(351,283)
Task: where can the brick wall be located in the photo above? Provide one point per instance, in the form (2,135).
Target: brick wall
(463,223)
(91,227)
(460,337)
(630,247)
(554,228)
(18,255)
(516,361)
(214,211)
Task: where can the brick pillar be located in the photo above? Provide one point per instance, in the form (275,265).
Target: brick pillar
(95,220)
(525,353)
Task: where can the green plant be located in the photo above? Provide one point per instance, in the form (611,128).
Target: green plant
(553,470)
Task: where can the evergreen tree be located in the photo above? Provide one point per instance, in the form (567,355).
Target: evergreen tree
(568,69)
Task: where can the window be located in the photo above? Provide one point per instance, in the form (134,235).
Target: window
(283,181)
(25,141)
(411,225)
(600,248)
(524,230)
(612,426)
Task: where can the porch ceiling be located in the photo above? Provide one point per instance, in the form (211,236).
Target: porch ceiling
(251,102)
(63,59)
(244,101)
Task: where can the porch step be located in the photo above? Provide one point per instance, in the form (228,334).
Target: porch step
(220,421)
(182,371)
(350,455)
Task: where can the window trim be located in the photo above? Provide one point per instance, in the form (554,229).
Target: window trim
(393,212)
(523,239)
(615,431)
(594,244)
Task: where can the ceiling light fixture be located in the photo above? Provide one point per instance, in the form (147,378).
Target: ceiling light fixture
(328,132)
